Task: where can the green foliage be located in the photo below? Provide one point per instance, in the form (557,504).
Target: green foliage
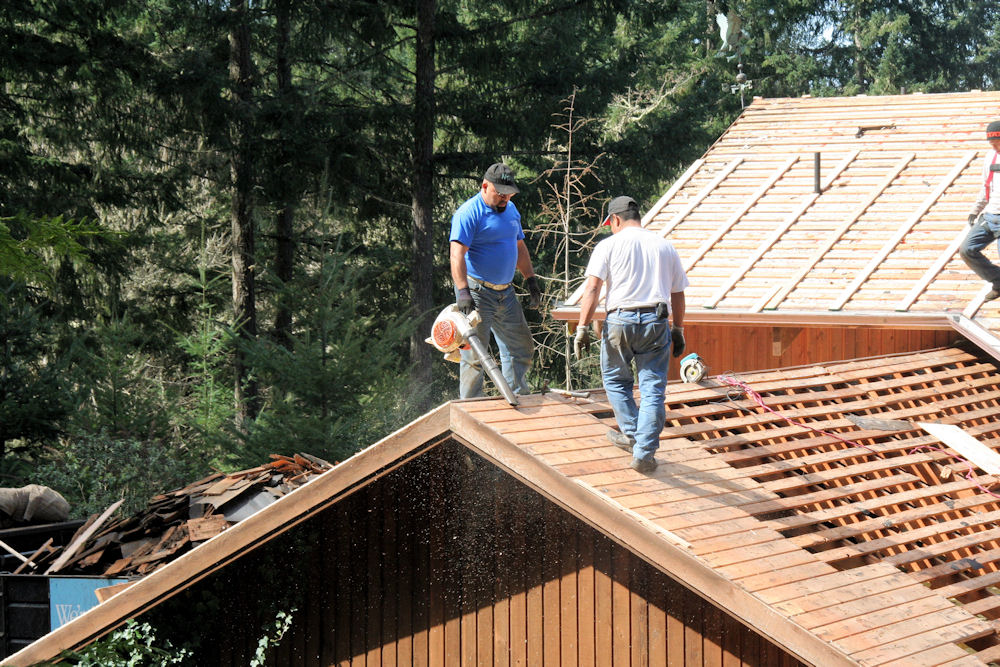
(340,374)
(92,471)
(26,244)
(272,637)
(33,397)
(133,645)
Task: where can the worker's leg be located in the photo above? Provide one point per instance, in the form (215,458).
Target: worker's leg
(470,371)
(981,235)
(652,356)
(616,369)
(514,341)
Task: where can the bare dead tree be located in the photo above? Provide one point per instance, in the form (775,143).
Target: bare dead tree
(569,225)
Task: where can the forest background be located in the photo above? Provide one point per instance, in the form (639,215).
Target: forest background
(223,224)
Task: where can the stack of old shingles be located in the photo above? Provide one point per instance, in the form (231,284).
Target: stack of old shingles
(175,522)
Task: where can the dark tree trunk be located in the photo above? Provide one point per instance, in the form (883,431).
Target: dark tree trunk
(284,224)
(423,193)
(244,297)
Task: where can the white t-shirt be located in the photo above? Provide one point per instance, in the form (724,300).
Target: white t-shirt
(639,268)
(993,196)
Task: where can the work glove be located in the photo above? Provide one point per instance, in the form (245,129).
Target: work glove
(534,292)
(581,343)
(464,302)
(972,218)
(677,340)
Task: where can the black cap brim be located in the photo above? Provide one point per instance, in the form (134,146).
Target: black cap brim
(504,189)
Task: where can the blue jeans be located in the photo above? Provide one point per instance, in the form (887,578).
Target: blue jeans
(501,313)
(642,338)
(981,235)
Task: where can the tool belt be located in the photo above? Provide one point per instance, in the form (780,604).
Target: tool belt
(493,286)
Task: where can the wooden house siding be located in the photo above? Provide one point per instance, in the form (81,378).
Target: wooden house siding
(450,561)
(741,348)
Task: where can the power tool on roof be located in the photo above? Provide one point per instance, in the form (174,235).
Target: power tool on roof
(454,331)
(693,369)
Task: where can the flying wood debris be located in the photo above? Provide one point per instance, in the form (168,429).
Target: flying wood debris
(175,522)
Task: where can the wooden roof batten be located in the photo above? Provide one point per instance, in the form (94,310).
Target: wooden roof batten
(893,242)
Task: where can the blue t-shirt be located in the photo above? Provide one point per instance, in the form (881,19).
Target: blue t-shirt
(491,237)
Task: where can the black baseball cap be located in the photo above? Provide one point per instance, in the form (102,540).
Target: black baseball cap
(502,178)
(619,205)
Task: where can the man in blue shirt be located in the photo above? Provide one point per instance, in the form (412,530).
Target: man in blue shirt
(487,244)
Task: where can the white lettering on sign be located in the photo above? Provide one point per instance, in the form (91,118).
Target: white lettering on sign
(67,612)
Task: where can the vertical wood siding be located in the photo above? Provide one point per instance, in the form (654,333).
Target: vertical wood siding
(449,561)
(752,348)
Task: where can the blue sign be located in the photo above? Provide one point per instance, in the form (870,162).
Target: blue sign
(71,596)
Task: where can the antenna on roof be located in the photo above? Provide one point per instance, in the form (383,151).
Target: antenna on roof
(742,83)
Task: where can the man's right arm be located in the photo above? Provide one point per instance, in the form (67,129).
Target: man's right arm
(459,271)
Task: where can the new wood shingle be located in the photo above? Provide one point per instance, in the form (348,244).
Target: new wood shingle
(834,209)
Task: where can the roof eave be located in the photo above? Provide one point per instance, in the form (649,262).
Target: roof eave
(795,318)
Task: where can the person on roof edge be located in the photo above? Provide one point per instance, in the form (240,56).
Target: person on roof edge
(645,284)
(985,217)
(486,245)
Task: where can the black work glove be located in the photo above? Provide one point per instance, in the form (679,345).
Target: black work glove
(534,292)
(464,302)
(677,340)
(972,218)
(581,343)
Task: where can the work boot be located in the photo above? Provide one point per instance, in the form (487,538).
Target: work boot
(643,465)
(993,293)
(620,440)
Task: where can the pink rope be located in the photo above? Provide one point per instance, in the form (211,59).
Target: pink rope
(759,400)
(969,475)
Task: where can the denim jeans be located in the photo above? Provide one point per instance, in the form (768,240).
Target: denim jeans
(500,313)
(981,235)
(642,338)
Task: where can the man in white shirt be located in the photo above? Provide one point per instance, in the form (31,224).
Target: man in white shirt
(645,283)
(985,217)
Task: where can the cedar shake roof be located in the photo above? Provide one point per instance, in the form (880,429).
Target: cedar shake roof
(819,505)
(877,244)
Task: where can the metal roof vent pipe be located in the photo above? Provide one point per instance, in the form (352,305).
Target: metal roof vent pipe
(818,188)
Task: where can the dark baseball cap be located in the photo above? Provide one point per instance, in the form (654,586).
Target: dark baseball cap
(618,206)
(502,178)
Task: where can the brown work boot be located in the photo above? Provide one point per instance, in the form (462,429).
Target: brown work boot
(993,293)
(620,440)
(643,465)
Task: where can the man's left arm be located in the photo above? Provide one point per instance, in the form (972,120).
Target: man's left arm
(528,271)
(524,260)
(678,305)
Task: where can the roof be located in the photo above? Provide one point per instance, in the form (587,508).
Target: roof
(824,506)
(876,244)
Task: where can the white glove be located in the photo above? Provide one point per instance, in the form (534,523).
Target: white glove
(581,343)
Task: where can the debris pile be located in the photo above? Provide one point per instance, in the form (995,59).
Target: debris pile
(173,522)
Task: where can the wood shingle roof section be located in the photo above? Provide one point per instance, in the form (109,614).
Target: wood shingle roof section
(897,176)
(827,501)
